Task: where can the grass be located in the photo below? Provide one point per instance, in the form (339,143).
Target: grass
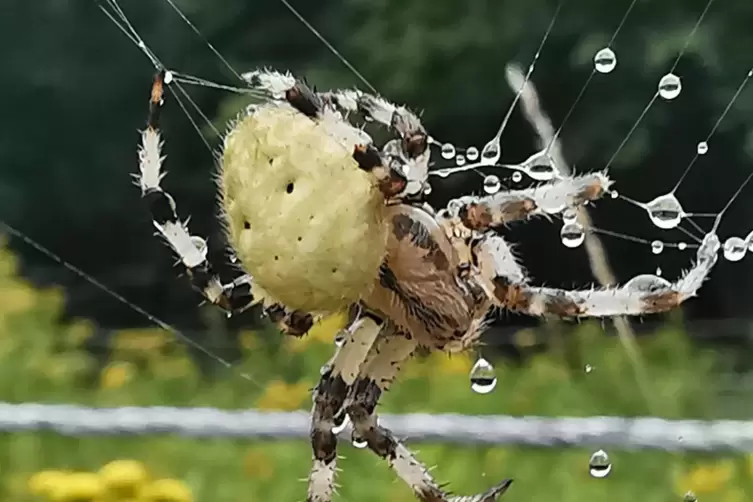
(41,360)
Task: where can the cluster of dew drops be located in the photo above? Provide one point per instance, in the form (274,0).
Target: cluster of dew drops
(665,212)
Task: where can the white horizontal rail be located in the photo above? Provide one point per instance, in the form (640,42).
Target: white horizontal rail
(625,433)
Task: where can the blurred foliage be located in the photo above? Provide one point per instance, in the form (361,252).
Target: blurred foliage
(42,360)
(76,93)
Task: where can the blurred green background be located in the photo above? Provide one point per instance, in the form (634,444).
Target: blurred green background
(74,95)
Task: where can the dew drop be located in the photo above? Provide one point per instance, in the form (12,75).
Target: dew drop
(659,271)
(703,147)
(483,378)
(614,194)
(471,153)
(689,497)
(647,283)
(588,368)
(670,86)
(460,160)
(491,152)
(682,246)
(657,247)
(605,60)
(665,211)
(569,215)
(492,184)
(427,189)
(749,241)
(454,206)
(200,245)
(572,235)
(599,465)
(517,176)
(341,422)
(358,442)
(735,249)
(447,151)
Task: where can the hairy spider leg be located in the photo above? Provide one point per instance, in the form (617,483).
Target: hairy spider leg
(389,173)
(234,297)
(411,149)
(329,398)
(386,357)
(644,294)
(484,213)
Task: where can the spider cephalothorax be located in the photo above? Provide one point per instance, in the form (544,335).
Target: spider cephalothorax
(321,220)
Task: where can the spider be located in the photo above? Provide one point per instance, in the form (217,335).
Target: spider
(323,220)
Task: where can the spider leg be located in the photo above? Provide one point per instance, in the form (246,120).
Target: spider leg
(329,398)
(235,296)
(492,211)
(378,372)
(645,294)
(389,172)
(410,149)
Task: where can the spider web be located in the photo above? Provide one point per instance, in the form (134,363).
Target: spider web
(548,159)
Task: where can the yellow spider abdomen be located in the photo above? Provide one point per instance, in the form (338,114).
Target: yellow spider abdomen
(304,220)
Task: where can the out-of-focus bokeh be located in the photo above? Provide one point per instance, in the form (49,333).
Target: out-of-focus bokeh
(74,94)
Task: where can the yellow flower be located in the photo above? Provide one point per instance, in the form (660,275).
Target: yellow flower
(166,490)
(116,375)
(78,332)
(79,486)
(149,340)
(525,337)
(705,478)
(258,464)
(453,364)
(124,478)
(248,339)
(283,396)
(44,483)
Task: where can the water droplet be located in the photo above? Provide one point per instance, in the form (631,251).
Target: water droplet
(599,465)
(569,215)
(492,184)
(454,206)
(427,189)
(572,235)
(647,283)
(229,314)
(670,86)
(517,176)
(735,249)
(657,247)
(483,378)
(614,194)
(659,271)
(358,441)
(340,339)
(233,258)
(703,147)
(682,246)
(200,245)
(471,153)
(447,151)
(665,211)
(605,60)
(588,368)
(491,152)
(689,497)
(460,160)
(341,422)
